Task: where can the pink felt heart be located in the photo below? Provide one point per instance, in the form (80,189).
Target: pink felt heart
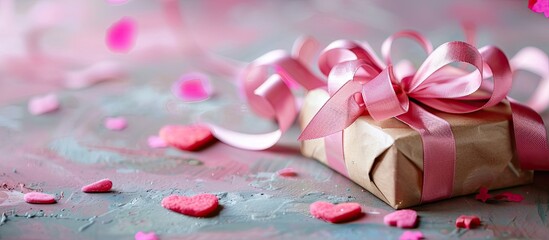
(103,185)
(411,235)
(335,213)
(156,142)
(120,35)
(468,222)
(43,104)
(188,138)
(200,205)
(402,218)
(287,172)
(116,123)
(146,236)
(192,87)
(510,197)
(39,198)
(483,195)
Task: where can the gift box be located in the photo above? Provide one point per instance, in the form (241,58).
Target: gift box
(386,157)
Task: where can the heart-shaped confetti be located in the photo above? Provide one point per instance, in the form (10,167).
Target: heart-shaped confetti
(39,198)
(287,172)
(468,222)
(156,142)
(43,104)
(116,123)
(146,236)
(335,213)
(200,205)
(192,87)
(121,35)
(411,235)
(188,138)
(402,218)
(510,197)
(483,195)
(103,185)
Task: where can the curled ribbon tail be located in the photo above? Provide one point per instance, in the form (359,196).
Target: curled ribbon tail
(339,112)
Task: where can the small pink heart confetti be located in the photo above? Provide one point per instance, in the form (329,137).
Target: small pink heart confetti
(186,137)
(402,218)
(483,195)
(200,205)
(43,104)
(156,142)
(287,172)
(39,198)
(411,235)
(116,123)
(103,185)
(335,213)
(510,197)
(121,35)
(192,87)
(468,222)
(541,6)
(146,236)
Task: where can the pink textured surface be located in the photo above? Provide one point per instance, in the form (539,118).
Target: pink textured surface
(188,138)
(402,218)
(103,185)
(335,213)
(201,205)
(39,198)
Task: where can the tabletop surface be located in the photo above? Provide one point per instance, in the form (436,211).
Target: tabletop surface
(60,152)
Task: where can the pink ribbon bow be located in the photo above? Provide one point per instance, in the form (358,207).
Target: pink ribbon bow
(360,83)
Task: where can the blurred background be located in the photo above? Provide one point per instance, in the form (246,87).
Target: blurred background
(44,42)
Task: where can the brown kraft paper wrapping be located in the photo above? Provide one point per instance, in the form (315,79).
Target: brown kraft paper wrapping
(386,157)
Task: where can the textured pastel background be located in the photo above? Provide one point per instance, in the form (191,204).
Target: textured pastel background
(59,152)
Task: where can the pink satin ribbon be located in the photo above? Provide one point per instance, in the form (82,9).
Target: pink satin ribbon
(361,83)
(435,84)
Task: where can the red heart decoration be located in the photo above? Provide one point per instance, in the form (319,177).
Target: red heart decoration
(200,205)
(468,222)
(402,218)
(103,185)
(333,213)
(188,138)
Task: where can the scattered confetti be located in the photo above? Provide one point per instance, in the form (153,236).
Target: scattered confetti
(146,236)
(335,213)
(287,172)
(411,235)
(192,87)
(468,222)
(510,197)
(39,198)
(116,123)
(506,196)
(402,218)
(103,185)
(201,205)
(541,6)
(121,35)
(188,138)
(43,104)
(156,142)
(483,195)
